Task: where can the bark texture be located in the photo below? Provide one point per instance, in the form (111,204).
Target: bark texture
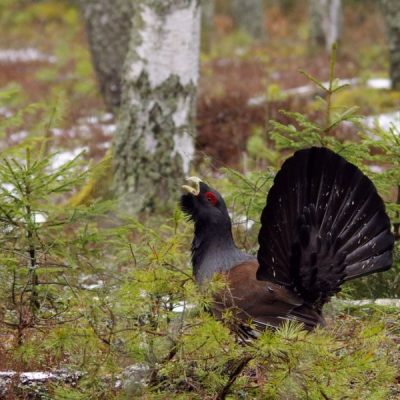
(154,142)
(391,12)
(249,16)
(325,19)
(108,26)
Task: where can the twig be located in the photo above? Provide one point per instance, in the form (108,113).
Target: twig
(232,377)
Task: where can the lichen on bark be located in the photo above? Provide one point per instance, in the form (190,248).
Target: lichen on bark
(154,142)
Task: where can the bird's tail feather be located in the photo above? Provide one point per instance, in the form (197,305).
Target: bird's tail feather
(324,223)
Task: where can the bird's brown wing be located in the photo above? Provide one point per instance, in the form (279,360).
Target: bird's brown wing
(261,303)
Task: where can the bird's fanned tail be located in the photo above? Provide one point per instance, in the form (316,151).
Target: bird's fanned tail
(324,223)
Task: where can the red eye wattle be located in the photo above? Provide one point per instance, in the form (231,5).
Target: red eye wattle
(211,197)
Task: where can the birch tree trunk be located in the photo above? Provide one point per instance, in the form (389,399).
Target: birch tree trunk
(325,18)
(154,142)
(391,12)
(249,16)
(108,26)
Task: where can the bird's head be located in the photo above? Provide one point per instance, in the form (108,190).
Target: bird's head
(203,204)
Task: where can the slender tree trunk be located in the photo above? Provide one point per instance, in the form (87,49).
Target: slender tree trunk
(249,16)
(325,18)
(108,26)
(207,24)
(391,12)
(154,142)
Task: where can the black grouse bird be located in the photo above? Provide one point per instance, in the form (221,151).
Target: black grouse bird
(324,223)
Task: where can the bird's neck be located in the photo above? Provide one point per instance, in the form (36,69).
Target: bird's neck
(214,250)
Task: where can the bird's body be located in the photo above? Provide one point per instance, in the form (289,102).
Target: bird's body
(323,224)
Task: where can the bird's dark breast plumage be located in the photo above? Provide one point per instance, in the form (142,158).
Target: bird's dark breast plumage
(262,303)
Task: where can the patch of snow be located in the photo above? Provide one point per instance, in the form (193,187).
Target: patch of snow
(57,132)
(379,83)
(375,83)
(243,220)
(109,129)
(380,302)
(5,112)
(18,136)
(39,218)
(182,306)
(9,187)
(106,117)
(36,376)
(104,145)
(376,168)
(97,285)
(90,120)
(301,90)
(256,101)
(63,157)
(383,121)
(169,45)
(309,89)
(184,146)
(24,55)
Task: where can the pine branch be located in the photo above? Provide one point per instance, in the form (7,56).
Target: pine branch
(232,377)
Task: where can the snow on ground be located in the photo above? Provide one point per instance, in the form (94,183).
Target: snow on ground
(84,127)
(310,89)
(11,56)
(379,302)
(379,83)
(182,306)
(243,221)
(384,121)
(18,136)
(59,159)
(376,168)
(5,112)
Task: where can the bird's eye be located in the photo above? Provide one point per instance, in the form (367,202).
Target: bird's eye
(211,198)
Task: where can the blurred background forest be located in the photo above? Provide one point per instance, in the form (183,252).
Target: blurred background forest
(86,287)
(236,71)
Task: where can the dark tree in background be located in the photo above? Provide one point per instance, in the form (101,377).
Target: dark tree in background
(391,12)
(249,17)
(325,18)
(108,25)
(207,24)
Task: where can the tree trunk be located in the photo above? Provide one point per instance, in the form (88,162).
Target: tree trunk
(325,23)
(108,26)
(391,12)
(207,24)
(154,142)
(249,17)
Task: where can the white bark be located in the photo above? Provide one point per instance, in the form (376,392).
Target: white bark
(325,22)
(169,45)
(154,142)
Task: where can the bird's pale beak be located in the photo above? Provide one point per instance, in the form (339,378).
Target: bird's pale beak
(193,186)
